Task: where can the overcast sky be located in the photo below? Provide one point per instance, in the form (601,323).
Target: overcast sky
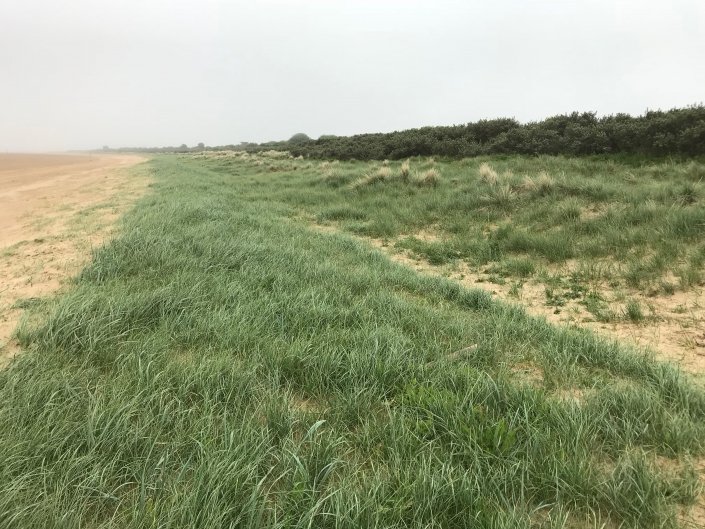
(78,74)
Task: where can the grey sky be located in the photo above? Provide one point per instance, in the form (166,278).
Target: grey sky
(83,73)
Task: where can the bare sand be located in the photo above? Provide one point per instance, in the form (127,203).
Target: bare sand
(673,329)
(54,209)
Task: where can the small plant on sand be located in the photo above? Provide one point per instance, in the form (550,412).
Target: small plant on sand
(633,311)
(595,304)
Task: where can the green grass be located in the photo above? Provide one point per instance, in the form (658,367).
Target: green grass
(633,311)
(641,217)
(221,364)
(618,226)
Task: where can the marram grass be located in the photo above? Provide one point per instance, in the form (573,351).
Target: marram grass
(221,365)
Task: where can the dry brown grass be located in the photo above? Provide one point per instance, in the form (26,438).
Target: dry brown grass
(379,175)
(275,154)
(384,173)
(405,170)
(541,184)
(331,174)
(430,177)
(488,174)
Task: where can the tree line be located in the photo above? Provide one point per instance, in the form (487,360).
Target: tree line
(678,131)
(675,132)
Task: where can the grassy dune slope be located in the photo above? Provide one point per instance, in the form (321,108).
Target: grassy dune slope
(612,244)
(221,365)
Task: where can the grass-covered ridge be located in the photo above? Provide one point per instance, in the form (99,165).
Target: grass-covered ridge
(223,365)
(639,223)
(609,243)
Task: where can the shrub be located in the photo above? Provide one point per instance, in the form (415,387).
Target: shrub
(299,138)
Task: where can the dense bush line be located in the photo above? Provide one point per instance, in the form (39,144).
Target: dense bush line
(679,131)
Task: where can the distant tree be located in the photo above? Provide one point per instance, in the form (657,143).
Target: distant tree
(299,137)
(106,148)
(201,146)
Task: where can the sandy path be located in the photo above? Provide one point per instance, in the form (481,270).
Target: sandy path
(674,333)
(53,210)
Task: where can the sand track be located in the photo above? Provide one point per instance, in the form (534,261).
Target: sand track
(676,335)
(53,210)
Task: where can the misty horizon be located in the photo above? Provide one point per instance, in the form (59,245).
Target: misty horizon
(85,74)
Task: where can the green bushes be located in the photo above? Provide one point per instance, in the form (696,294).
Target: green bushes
(679,131)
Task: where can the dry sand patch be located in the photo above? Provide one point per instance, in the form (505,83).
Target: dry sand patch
(53,210)
(676,333)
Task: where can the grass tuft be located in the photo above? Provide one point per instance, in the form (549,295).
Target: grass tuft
(633,311)
(500,196)
(542,185)
(488,174)
(428,178)
(405,170)
(380,174)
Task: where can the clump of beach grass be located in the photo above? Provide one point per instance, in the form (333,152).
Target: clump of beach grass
(488,174)
(378,175)
(542,184)
(428,178)
(405,170)
(501,196)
